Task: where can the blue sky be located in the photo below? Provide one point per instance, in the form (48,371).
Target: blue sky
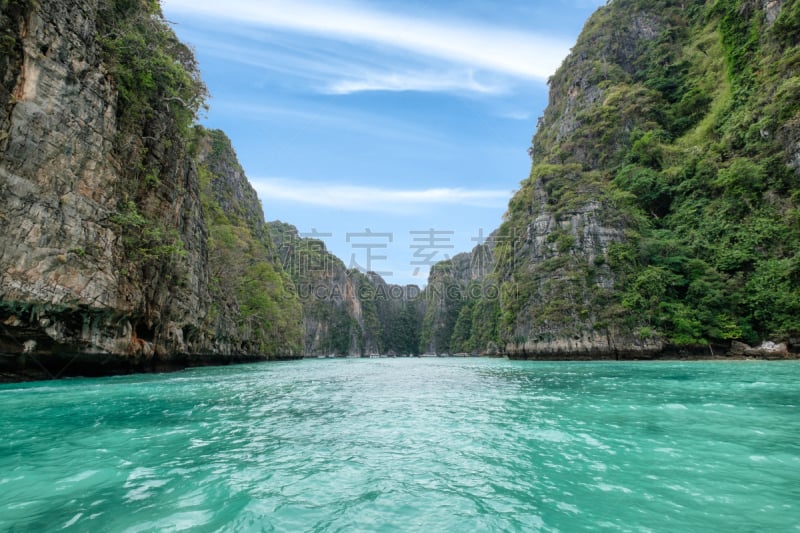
(398,129)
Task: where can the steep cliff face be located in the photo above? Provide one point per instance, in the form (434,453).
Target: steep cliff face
(346,312)
(58,173)
(561,225)
(461,303)
(59,251)
(254,308)
(104,252)
(660,214)
(223,180)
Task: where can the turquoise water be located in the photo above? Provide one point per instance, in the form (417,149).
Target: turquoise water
(407,445)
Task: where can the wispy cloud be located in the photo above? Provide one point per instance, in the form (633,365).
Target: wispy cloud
(415,81)
(313,117)
(516,115)
(374,199)
(476,46)
(584,3)
(340,72)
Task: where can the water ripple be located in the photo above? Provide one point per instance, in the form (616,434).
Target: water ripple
(410,445)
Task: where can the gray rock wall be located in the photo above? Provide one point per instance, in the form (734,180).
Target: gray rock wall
(77,279)
(58,177)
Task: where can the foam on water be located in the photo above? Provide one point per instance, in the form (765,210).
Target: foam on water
(408,445)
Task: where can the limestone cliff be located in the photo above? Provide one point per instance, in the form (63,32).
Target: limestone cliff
(461,302)
(104,250)
(345,311)
(254,308)
(659,216)
(561,224)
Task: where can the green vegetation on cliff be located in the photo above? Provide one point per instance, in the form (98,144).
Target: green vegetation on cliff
(462,305)
(251,306)
(715,249)
(246,281)
(662,206)
(159,95)
(151,246)
(154,71)
(345,311)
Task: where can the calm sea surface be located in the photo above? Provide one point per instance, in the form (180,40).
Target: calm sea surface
(408,445)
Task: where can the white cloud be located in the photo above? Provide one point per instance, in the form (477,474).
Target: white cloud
(374,199)
(584,4)
(516,115)
(414,81)
(358,122)
(349,70)
(352,74)
(497,49)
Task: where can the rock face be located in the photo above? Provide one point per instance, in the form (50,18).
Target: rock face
(345,311)
(552,250)
(772,9)
(104,252)
(254,308)
(461,302)
(669,142)
(660,215)
(58,176)
(60,252)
